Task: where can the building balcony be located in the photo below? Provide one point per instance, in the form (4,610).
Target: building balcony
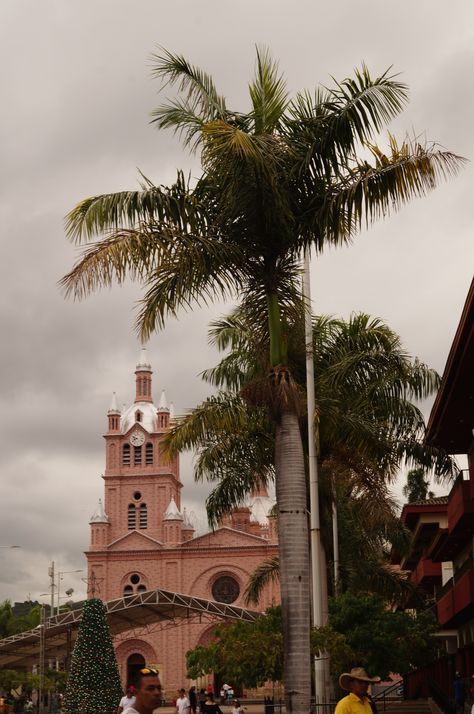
(456,604)
(461,506)
(426,572)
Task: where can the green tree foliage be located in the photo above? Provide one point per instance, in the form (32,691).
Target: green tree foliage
(381,640)
(12,624)
(94,684)
(367,424)
(417,486)
(12,679)
(362,631)
(246,654)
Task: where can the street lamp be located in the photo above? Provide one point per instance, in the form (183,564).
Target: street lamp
(60,577)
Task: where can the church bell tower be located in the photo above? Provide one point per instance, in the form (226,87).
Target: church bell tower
(140,483)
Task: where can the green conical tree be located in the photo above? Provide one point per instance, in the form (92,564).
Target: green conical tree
(94,684)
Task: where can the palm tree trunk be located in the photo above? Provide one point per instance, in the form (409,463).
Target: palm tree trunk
(294,562)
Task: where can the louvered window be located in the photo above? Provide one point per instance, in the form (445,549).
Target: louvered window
(143,516)
(132,517)
(126,455)
(149,453)
(137,456)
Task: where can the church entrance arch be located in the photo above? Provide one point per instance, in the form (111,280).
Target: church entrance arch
(135,663)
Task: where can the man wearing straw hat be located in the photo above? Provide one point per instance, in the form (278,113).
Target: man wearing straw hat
(357,701)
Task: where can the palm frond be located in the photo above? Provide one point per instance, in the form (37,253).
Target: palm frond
(220,413)
(127,209)
(267,572)
(195,271)
(233,486)
(371,192)
(127,253)
(268,94)
(183,117)
(195,84)
(328,125)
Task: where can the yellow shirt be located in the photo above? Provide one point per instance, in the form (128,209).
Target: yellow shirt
(352,704)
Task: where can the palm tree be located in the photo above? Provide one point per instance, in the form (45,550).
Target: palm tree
(367,426)
(280,178)
(417,486)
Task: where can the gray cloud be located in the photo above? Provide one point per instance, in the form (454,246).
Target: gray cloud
(75,122)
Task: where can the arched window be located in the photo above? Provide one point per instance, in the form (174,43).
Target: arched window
(126,455)
(141,589)
(137,455)
(128,590)
(143,516)
(149,453)
(138,416)
(132,517)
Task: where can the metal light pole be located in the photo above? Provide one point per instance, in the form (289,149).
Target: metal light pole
(42,651)
(315,528)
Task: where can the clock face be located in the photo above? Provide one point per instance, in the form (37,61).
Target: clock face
(137,438)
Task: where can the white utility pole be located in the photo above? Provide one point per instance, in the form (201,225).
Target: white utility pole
(315,528)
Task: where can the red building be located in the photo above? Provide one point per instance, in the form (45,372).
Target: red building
(441,557)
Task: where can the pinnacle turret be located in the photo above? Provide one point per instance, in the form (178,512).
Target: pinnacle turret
(99,515)
(163,403)
(113,409)
(172,513)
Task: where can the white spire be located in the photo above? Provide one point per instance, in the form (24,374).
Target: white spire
(172,412)
(99,516)
(113,409)
(163,403)
(172,512)
(143,363)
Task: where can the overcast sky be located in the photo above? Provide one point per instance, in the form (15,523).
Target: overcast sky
(76,96)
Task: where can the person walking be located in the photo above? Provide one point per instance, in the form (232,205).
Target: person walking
(202,699)
(193,700)
(147,692)
(182,703)
(358,701)
(459,692)
(236,708)
(211,706)
(128,700)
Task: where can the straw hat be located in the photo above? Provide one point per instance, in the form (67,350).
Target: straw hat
(358,673)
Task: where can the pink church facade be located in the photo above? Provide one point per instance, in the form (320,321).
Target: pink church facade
(142,539)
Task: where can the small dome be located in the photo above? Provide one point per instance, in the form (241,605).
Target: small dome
(147,419)
(172,512)
(99,515)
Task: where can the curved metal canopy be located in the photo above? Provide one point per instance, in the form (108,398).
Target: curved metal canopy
(127,614)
